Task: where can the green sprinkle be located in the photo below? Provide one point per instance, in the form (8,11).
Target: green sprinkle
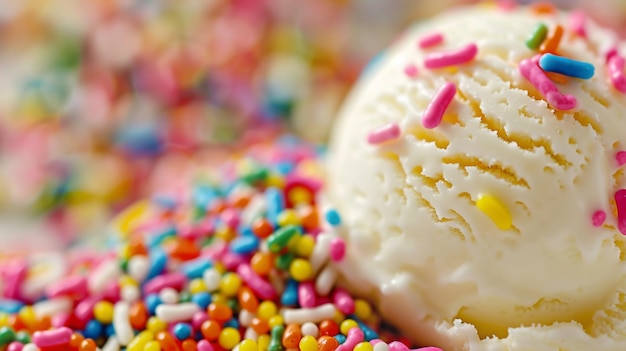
(276,343)
(280,238)
(22,337)
(7,335)
(537,37)
(283,261)
(255,175)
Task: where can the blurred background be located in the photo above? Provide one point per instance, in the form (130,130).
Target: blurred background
(106,101)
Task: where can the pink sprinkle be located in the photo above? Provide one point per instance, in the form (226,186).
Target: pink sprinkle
(343,301)
(13,278)
(398,346)
(84,309)
(204,345)
(386,133)
(199,318)
(577,22)
(15,346)
(438,106)
(306,295)
(264,289)
(451,58)
(54,337)
(620,157)
(615,65)
(74,287)
(230,217)
(337,249)
(410,70)
(506,5)
(533,73)
(620,203)
(355,336)
(430,40)
(170,280)
(598,217)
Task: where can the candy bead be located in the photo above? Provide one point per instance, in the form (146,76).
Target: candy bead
(308,343)
(363,346)
(204,345)
(229,284)
(337,249)
(276,338)
(166,341)
(219,312)
(182,331)
(139,342)
(310,329)
(247,300)
(262,263)
(7,335)
(347,325)
(211,330)
(89,345)
(248,345)
(138,315)
(362,309)
(300,270)
(228,338)
(103,312)
(291,336)
(155,325)
(152,346)
(327,343)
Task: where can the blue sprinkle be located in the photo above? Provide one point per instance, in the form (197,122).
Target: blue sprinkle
(341,338)
(158,238)
(244,244)
(284,168)
(140,140)
(566,66)
(152,301)
(93,329)
(233,323)
(333,218)
(290,295)
(10,306)
(182,331)
(202,299)
(195,268)
(203,196)
(158,261)
(275,203)
(164,201)
(109,330)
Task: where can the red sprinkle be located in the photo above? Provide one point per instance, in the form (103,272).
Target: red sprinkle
(430,40)
(451,58)
(598,218)
(620,203)
(438,106)
(386,133)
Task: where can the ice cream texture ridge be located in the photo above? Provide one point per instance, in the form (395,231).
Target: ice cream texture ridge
(478,169)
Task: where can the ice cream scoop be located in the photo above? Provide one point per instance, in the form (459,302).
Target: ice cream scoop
(478,169)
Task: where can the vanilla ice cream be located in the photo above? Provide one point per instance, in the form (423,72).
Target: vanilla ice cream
(497,228)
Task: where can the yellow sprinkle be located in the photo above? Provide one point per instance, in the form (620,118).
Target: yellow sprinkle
(127,280)
(229,337)
(299,195)
(364,346)
(140,341)
(275,181)
(248,345)
(103,311)
(219,298)
(362,309)
(495,210)
(346,325)
(27,315)
(308,343)
(125,221)
(197,286)
(4,319)
(305,246)
(225,233)
(276,320)
(152,346)
(230,284)
(267,310)
(288,217)
(264,342)
(155,325)
(338,317)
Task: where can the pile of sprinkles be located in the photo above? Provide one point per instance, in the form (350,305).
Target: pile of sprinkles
(245,262)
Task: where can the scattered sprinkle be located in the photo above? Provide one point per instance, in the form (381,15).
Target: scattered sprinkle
(566,66)
(543,8)
(620,203)
(411,70)
(578,23)
(551,44)
(384,134)
(615,66)
(333,218)
(620,157)
(537,37)
(430,40)
(495,210)
(438,106)
(598,218)
(451,58)
(537,77)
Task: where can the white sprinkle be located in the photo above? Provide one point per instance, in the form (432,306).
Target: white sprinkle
(255,209)
(250,334)
(211,278)
(53,307)
(130,293)
(245,317)
(177,313)
(168,296)
(320,253)
(138,267)
(111,345)
(49,270)
(121,324)
(30,347)
(326,280)
(381,346)
(313,315)
(103,275)
(311,329)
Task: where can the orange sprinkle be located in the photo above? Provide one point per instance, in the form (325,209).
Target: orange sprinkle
(557,78)
(247,300)
(262,228)
(219,312)
(551,44)
(292,336)
(138,315)
(543,8)
(43,323)
(240,200)
(327,343)
(210,330)
(260,326)
(262,263)
(76,340)
(166,341)
(189,345)
(137,248)
(183,249)
(88,345)
(309,218)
